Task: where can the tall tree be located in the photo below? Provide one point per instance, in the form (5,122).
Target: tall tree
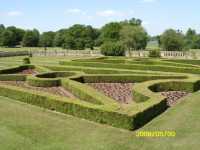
(7,38)
(59,38)
(172,40)
(2,28)
(134,37)
(111,32)
(31,38)
(80,37)
(46,39)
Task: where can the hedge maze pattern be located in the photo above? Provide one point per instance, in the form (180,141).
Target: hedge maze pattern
(121,92)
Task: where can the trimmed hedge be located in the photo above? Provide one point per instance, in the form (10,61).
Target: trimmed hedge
(42,82)
(49,79)
(134,67)
(56,74)
(84,110)
(139,98)
(125,78)
(87,93)
(12,77)
(14,53)
(16,69)
(173,86)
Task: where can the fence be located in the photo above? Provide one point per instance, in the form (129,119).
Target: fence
(66,53)
(192,54)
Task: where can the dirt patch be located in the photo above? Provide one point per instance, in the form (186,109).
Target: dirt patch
(28,71)
(173,97)
(52,90)
(121,92)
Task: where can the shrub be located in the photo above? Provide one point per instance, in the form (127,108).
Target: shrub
(154,53)
(26,60)
(113,49)
(14,53)
(43,82)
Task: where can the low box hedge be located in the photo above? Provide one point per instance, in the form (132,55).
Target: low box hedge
(80,109)
(42,82)
(14,53)
(126,78)
(12,77)
(17,69)
(173,86)
(192,70)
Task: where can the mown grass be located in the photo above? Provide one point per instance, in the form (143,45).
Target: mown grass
(25,127)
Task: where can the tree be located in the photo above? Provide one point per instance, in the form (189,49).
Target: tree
(111,32)
(31,38)
(79,37)
(46,39)
(2,28)
(196,42)
(90,35)
(59,38)
(172,40)
(7,38)
(132,22)
(17,34)
(134,37)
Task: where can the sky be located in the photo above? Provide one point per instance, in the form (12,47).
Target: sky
(45,15)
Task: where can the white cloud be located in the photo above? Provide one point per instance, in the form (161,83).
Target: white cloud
(75,11)
(14,13)
(110,13)
(149,1)
(145,23)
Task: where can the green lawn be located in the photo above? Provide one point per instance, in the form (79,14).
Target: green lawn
(23,127)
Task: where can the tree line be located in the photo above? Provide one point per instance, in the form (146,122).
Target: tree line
(127,34)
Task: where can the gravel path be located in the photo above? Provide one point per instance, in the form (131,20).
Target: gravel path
(173,97)
(121,92)
(29,71)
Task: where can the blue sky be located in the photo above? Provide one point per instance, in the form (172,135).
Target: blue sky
(157,15)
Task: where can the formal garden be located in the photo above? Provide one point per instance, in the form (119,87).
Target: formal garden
(84,88)
(131,94)
(121,92)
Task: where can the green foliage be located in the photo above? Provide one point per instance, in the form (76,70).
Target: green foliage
(14,53)
(154,53)
(134,37)
(12,77)
(26,60)
(125,78)
(59,38)
(79,37)
(192,39)
(164,68)
(31,38)
(7,38)
(173,86)
(113,49)
(172,40)
(111,32)
(14,70)
(42,82)
(47,39)
(10,36)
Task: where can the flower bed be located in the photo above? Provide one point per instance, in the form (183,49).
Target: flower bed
(121,92)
